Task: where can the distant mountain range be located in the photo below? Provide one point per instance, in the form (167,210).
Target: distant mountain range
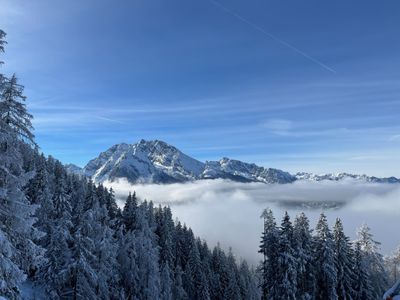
(158,162)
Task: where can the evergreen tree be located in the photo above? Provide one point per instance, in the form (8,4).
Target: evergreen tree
(129,214)
(58,238)
(363,289)
(287,265)
(302,235)
(166,282)
(326,277)
(196,283)
(18,253)
(372,257)
(269,249)
(392,264)
(247,283)
(178,292)
(344,263)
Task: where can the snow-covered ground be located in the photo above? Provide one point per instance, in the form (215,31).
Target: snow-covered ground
(219,210)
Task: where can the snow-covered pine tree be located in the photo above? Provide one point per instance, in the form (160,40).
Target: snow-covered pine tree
(269,249)
(196,282)
(178,292)
(219,273)
(326,277)
(113,210)
(302,236)
(58,225)
(247,283)
(166,282)
(392,263)
(97,225)
(147,255)
(362,287)
(165,231)
(372,257)
(233,289)
(343,262)
(2,44)
(287,264)
(127,262)
(129,212)
(18,251)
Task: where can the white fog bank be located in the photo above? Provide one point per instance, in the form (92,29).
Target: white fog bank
(229,212)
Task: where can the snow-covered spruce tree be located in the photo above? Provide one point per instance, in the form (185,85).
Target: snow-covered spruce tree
(287,264)
(392,263)
(362,287)
(138,255)
(302,236)
(113,210)
(97,229)
(2,44)
(247,283)
(147,255)
(178,292)
(344,263)
(17,251)
(165,231)
(54,273)
(166,282)
(269,249)
(233,288)
(220,277)
(127,256)
(372,257)
(326,277)
(129,214)
(195,282)
(127,263)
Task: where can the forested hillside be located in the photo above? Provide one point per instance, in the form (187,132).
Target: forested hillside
(64,233)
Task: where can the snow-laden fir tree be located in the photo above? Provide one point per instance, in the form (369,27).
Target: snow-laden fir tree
(58,224)
(233,287)
(324,256)
(287,263)
(392,263)
(247,284)
(269,250)
(2,44)
(302,236)
(344,263)
(196,284)
(362,287)
(18,253)
(372,257)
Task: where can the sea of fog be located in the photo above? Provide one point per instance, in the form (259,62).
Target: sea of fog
(229,212)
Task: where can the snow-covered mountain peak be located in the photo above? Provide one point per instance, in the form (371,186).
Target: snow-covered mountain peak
(144,161)
(156,161)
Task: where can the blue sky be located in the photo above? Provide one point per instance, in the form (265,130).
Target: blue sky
(297,85)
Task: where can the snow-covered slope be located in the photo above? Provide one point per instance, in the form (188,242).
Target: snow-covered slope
(158,162)
(240,171)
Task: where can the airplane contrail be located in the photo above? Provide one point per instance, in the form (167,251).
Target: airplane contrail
(270,35)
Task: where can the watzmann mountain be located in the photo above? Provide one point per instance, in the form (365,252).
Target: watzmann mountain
(158,162)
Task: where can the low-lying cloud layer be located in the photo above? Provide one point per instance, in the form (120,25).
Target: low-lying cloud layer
(229,213)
